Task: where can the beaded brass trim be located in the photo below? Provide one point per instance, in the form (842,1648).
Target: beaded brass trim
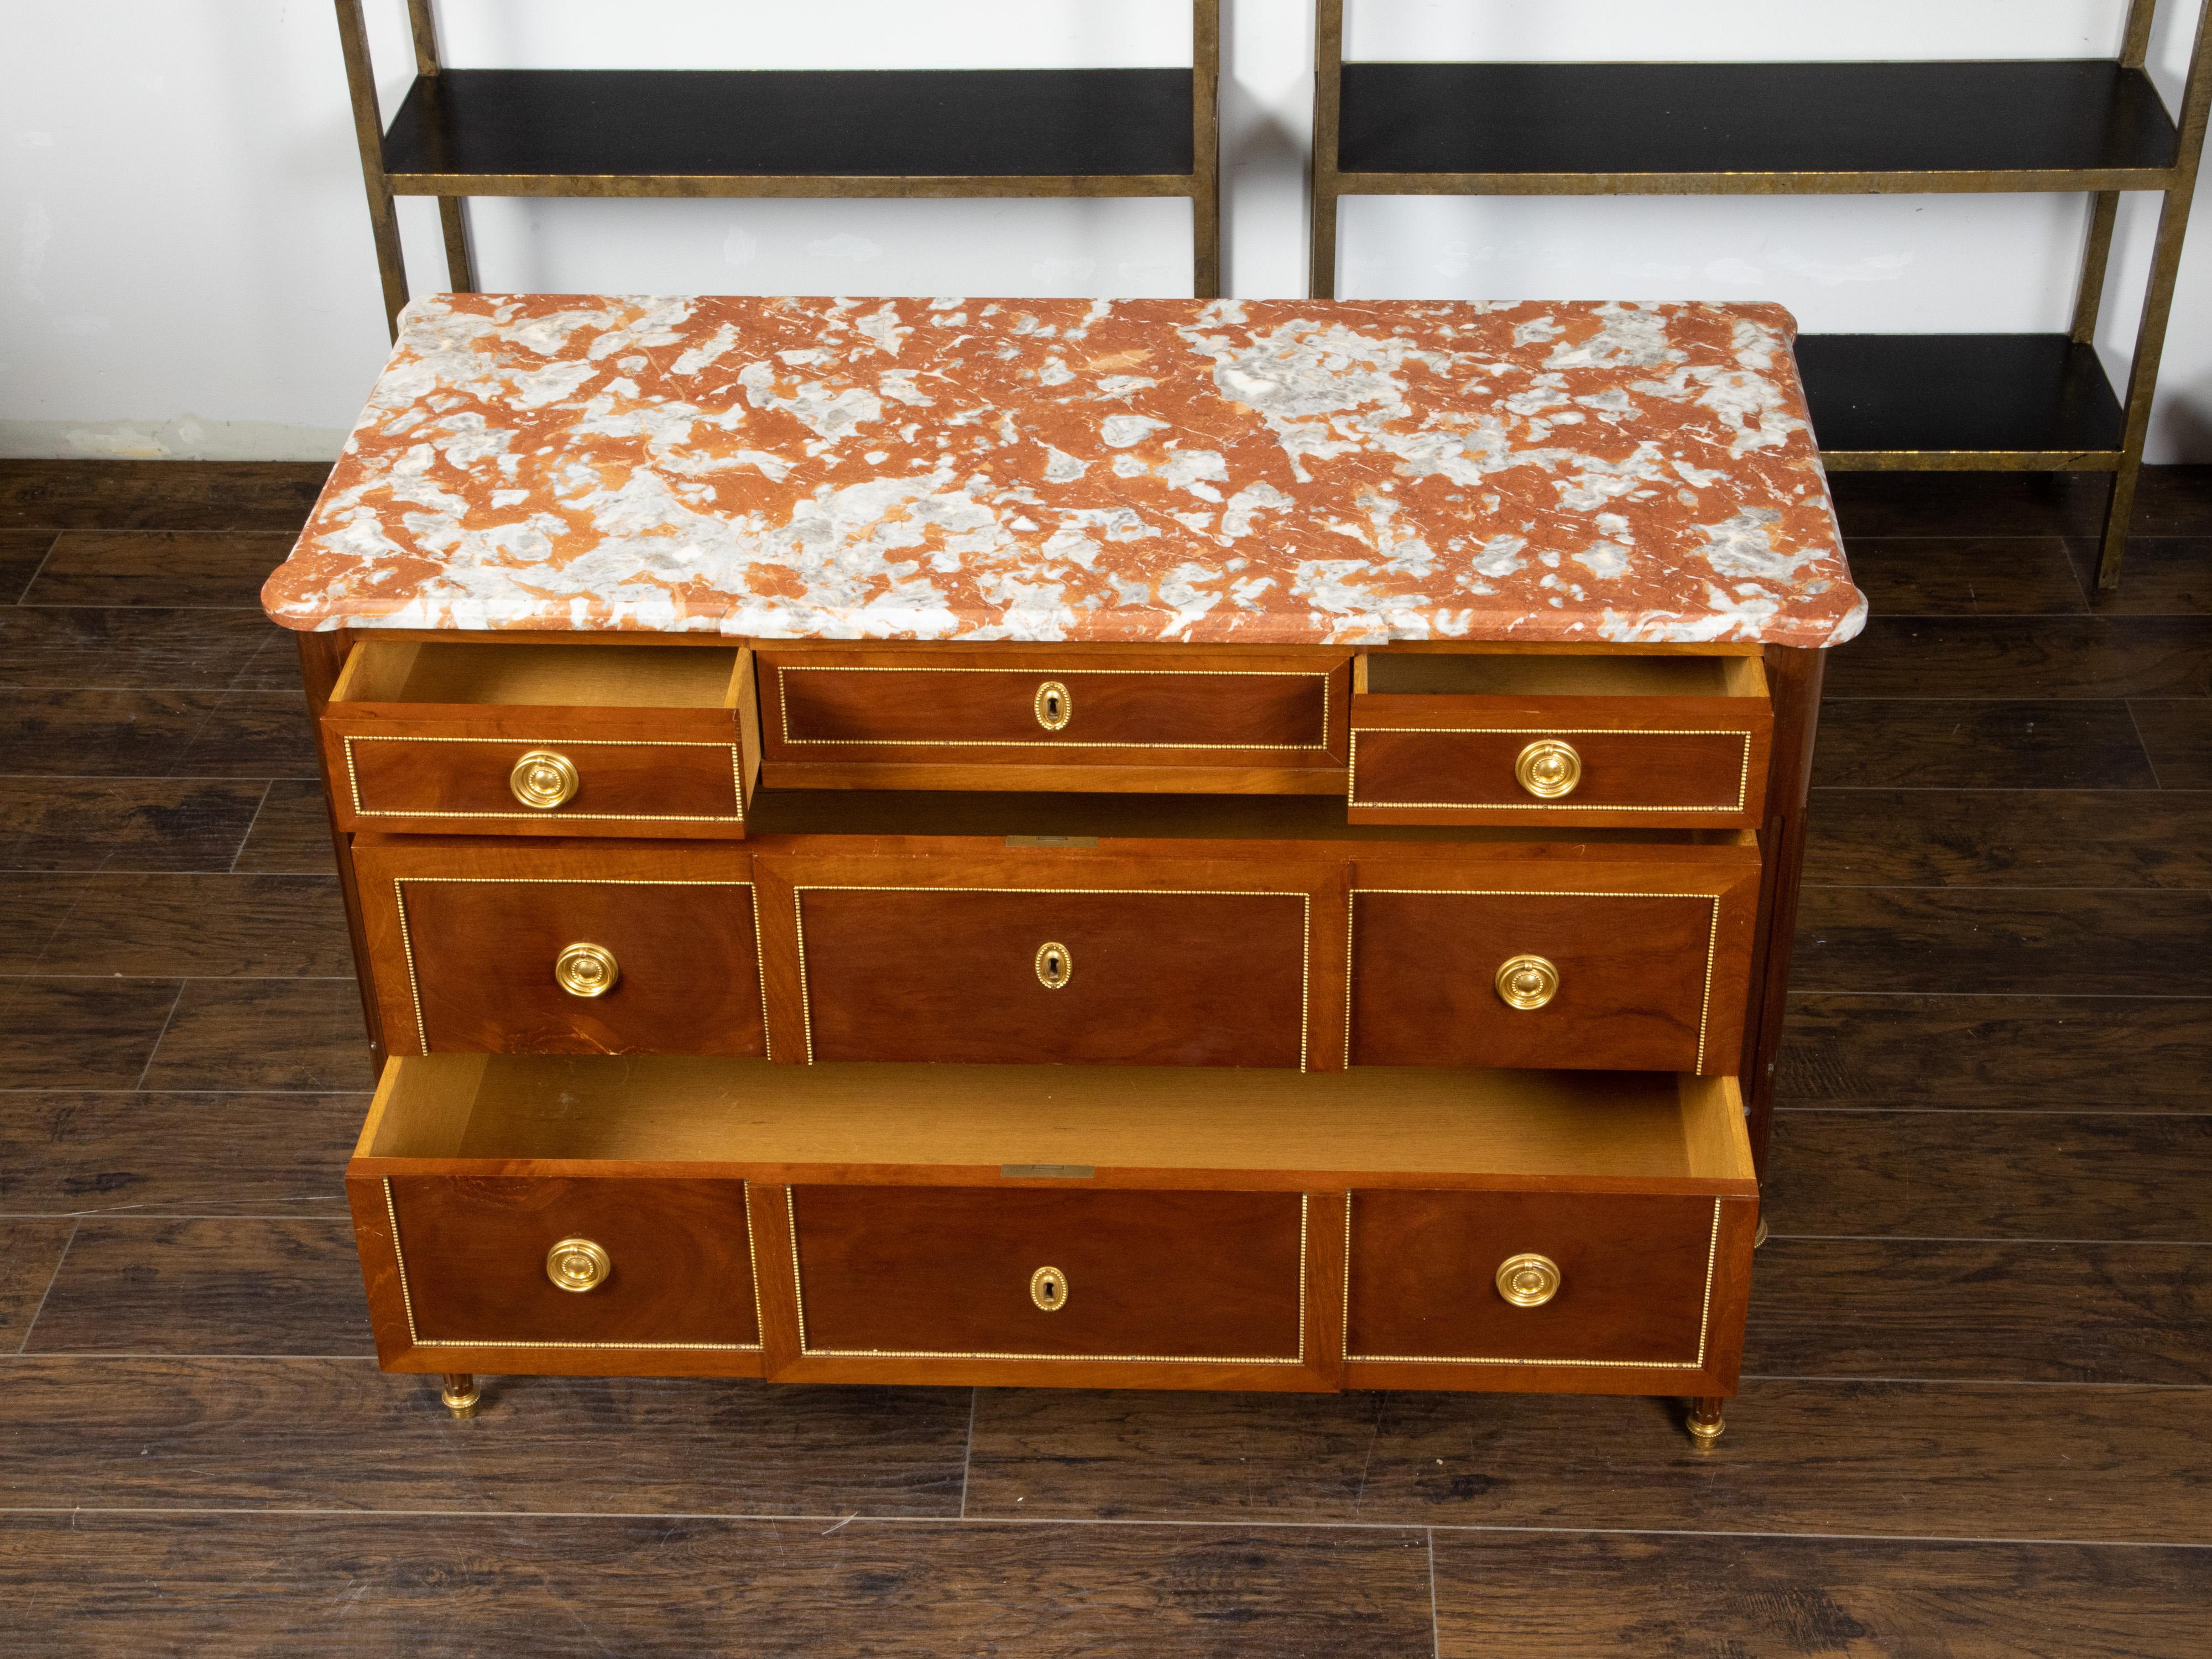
(783,709)
(1352,769)
(1305,936)
(416,1339)
(1704,1324)
(798,1301)
(737,779)
(407,933)
(1712,939)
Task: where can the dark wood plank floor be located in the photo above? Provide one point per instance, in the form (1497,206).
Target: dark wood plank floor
(1979,1396)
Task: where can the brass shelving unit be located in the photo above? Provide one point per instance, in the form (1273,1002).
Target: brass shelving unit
(1880,402)
(939,133)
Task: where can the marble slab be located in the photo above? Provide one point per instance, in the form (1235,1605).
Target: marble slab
(1280,471)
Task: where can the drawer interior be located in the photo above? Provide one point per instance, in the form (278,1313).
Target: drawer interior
(1146,1125)
(1490,674)
(454,672)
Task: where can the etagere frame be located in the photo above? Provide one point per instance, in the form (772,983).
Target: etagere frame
(1880,401)
(696,133)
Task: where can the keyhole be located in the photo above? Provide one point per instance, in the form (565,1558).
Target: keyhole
(1055,967)
(1049,1289)
(1052,705)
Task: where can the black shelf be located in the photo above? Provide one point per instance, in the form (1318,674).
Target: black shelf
(1737,126)
(585,127)
(1981,396)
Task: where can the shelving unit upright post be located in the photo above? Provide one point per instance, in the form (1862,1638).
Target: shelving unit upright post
(700,133)
(1880,402)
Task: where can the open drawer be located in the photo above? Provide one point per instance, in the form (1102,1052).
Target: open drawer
(1481,737)
(535,737)
(1027,1225)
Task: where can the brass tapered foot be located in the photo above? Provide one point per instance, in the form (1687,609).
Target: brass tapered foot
(1759,1237)
(1705,1423)
(461,1393)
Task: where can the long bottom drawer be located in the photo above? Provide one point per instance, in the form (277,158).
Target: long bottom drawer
(1200,1228)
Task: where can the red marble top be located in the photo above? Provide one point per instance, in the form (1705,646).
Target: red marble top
(1266,471)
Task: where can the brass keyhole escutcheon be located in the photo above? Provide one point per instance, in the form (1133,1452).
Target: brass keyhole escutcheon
(1526,981)
(1049,1289)
(578,1264)
(1054,706)
(1528,1281)
(1548,768)
(543,780)
(1055,966)
(587,971)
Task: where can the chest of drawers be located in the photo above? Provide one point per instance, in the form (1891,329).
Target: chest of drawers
(770,975)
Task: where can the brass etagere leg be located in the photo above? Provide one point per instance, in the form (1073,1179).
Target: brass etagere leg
(459,1394)
(2166,267)
(1328,86)
(368,132)
(1205,148)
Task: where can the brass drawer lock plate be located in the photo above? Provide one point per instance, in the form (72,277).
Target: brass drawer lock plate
(1055,966)
(578,1264)
(1054,707)
(1528,1281)
(1548,768)
(1049,1289)
(543,780)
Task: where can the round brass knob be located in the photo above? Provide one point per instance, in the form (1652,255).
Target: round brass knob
(1549,769)
(1526,981)
(543,780)
(577,1264)
(1054,707)
(1527,1281)
(1049,1289)
(587,971)
(1055,966)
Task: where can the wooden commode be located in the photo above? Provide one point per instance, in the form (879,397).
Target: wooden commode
(1172,844)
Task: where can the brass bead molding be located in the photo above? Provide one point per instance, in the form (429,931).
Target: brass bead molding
(587,971)
(1548,768)
(543,780)
(577,1264)
(1055,966)
(1528,1281)
(1049,1289)
(1054,707)
(1526,981)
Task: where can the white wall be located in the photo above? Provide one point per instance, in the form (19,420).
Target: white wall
(189,270)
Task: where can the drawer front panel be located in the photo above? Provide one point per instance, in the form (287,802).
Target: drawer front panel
(1622,1280)
(449,784)
(1617,982)
(1454,775)
(502,965)
(954,1273)
(853,712)
(1153,978)
(673,1262)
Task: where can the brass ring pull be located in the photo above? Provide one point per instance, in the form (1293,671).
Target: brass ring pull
(1049,1289)
(1526,981)
(1055,966)
(587,971)
(1054,707)
(543,780)
(578,1264)
(1528,1281)
(1548,768)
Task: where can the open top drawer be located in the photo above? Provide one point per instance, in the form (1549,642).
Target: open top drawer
(1531,738)
(532,737)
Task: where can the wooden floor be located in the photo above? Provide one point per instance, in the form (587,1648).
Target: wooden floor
(1977,1417)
